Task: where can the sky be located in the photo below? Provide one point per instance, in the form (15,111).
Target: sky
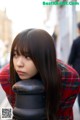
(24,13)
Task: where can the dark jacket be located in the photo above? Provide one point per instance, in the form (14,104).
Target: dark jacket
(74,58)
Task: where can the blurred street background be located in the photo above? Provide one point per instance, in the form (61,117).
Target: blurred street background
(17,15)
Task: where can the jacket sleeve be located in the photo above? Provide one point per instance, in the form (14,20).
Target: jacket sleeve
(72,54)
(4,81)
(70,88)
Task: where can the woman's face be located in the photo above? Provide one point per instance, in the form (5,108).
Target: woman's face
(24,66)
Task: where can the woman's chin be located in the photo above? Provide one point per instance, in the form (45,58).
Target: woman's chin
(23,78)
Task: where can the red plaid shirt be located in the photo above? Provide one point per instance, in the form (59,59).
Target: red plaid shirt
(70,89)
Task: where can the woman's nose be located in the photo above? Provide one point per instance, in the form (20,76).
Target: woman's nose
(20,61)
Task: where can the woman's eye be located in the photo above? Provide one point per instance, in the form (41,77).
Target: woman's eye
(28,58)
(15,55)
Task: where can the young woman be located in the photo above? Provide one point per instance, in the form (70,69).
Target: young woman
(33,54)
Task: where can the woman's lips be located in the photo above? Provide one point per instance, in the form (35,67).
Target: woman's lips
(20,72)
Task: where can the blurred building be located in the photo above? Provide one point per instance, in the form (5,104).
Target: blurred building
(67,21)
(78,16)
(5,28)
(67,18)
(5,38)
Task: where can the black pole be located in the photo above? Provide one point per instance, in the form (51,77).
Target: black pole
(30,100)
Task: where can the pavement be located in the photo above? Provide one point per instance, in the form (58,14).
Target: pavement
(76,112)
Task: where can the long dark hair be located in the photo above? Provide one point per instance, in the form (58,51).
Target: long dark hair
(39,44)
